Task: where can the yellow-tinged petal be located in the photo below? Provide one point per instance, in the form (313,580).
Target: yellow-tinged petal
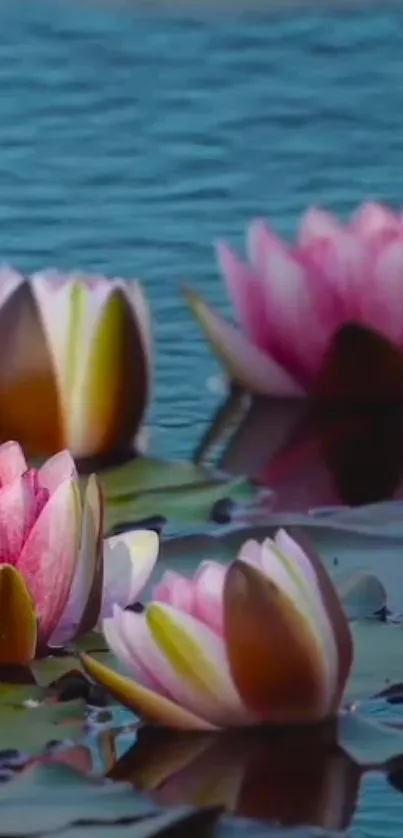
(148,705)
(198,660)
(275,659)
(245,363)
(109,404)
(30,409)
(18,625)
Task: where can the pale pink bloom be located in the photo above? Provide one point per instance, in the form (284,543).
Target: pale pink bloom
(291,300)
(263,640)
(54,561)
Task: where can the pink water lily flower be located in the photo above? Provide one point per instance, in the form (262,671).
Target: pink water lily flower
(291,301)
(57,573)
(264,640)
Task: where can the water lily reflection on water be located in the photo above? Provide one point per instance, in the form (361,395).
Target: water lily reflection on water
(295,777)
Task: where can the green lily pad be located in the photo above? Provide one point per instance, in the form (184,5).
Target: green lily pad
(145,474)
(29,729)
(180,491)
(49,670)
(50,796)
(368,743)
(186,504)
(177,823)
(362,594)
(378,658)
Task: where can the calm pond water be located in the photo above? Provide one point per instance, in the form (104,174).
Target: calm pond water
(128,143)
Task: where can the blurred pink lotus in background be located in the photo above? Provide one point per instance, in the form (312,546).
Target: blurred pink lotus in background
(263,640)
(291,301)
(77,350)
(57,574)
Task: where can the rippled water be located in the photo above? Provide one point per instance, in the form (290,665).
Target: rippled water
(128,143)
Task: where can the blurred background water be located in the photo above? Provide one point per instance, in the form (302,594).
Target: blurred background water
(129,142)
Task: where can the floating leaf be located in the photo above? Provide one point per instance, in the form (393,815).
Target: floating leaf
(178,823)
(145,474)
(49,796)
(363,595)
(29,729)
(180,491)
(378,658)
(368,743)
(51,669)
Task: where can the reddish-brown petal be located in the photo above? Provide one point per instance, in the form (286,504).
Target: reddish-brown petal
(274,659)
(29,401)
(334,610)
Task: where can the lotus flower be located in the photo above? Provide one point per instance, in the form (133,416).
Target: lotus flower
(57,575)
(263,641)
(291,302)
(76,349)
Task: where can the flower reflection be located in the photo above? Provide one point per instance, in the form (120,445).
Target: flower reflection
(291,777)
(339,447)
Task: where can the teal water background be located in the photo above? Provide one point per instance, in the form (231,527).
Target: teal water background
(129,142)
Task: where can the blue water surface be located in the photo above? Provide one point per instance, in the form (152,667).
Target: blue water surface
(130,140)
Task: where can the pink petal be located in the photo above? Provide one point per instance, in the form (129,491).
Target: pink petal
(251,553)
(39,494)
(371,219)
(382,298)
(49,556)
(56,470)
(260,242)
(209,585)
(117,630)
(245,292)
(85,569)
(302,309)
(12,462)
(245,363)
(175,590)
(316,225)
(17,515)
(290,548)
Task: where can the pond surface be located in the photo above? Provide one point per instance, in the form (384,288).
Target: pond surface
(129,143)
